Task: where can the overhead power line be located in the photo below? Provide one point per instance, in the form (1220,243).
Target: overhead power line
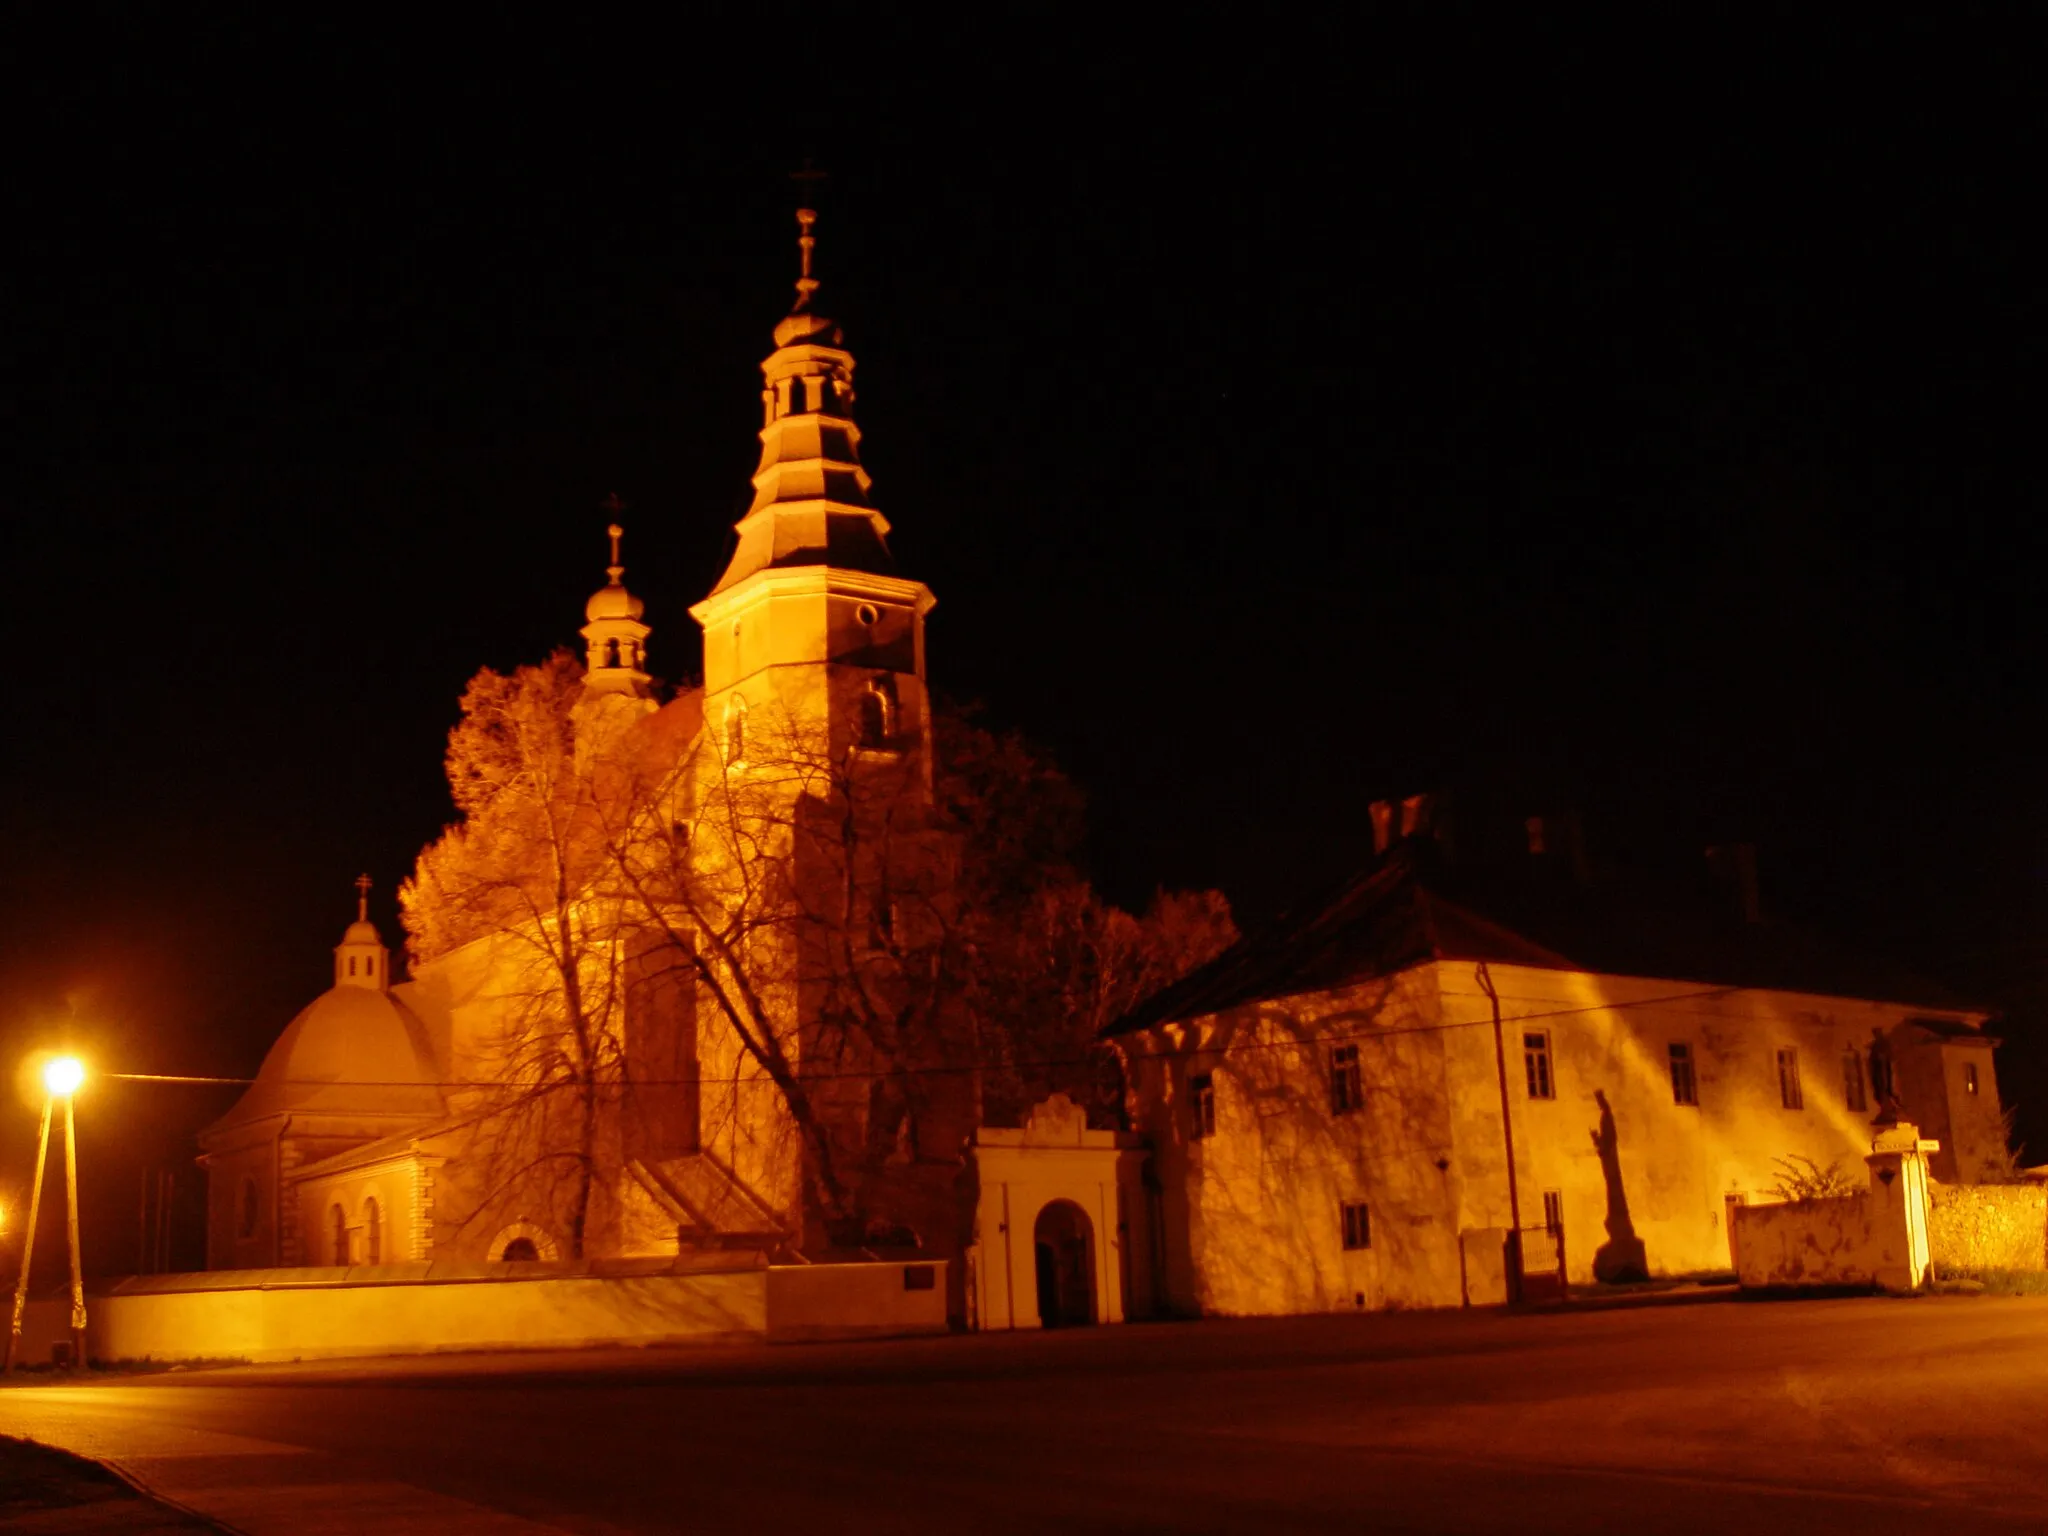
(954,1069)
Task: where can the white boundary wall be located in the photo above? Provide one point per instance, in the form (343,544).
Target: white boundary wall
(316,1314)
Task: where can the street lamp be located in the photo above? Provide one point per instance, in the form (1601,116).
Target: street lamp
(62,1078)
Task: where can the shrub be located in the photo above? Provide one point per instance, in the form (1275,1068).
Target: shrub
(1801,1178)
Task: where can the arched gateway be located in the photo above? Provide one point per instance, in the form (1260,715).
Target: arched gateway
(1064,1243)
(1058,1205)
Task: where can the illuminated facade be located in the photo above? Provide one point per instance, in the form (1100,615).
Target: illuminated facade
(361,1141)
(1325,1106)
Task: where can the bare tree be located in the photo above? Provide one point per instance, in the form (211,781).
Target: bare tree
(514,879)
(829,948)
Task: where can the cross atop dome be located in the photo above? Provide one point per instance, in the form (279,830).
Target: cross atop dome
(360,959)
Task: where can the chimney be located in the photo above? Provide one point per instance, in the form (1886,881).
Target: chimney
(1415,816)
(1559,837)
(1734,865)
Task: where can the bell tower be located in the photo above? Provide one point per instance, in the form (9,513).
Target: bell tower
(812,616)
(615,635)
(360,959)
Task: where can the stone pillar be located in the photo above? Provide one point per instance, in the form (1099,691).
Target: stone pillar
(1899,1207)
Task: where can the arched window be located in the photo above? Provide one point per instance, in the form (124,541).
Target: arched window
(351,965)
(875,712)
(735,732)
(251,1207)
(521,1242)
(611,653)
(373,1232)
(369,965)
(338,1220)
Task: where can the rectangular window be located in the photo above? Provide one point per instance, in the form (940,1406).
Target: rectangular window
(1553,1209)
(1536,1064)
(1969,1077)
(1788,1080)
(1357,1224)
(1201,1105)
(1853,1095)
(1347,1083)
(1685,1088)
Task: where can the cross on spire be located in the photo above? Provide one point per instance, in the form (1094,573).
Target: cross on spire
(613,505)
(806,242)
(362,898)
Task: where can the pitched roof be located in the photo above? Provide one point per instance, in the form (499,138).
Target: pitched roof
(1390,917)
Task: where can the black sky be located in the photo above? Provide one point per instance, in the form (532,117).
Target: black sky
(1287,412)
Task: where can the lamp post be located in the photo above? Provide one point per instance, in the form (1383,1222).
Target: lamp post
(61,1079)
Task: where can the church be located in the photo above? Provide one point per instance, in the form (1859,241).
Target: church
(682,990)
(632,1025)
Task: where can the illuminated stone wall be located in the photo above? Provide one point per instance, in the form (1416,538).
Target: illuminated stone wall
(1989,1226)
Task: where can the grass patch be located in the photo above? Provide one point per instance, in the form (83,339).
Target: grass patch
(1992,1282)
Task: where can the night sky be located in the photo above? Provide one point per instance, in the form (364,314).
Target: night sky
(1286,414)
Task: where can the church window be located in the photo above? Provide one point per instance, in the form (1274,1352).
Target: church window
(1536,1065)
(868,614)
(1347,1082)
(611,653)
(351,965)
(1853,1095)
(337,1220)
(1201,1105)
(1789,1093)
(736,732)
(1685,1088)
(1357,1224)
(520,1250)
(369,965)
(251,1207)
(373,1232)
(874,716)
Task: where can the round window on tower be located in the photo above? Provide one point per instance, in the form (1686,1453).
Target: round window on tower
(868,614)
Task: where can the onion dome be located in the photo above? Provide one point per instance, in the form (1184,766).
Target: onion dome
(616,637)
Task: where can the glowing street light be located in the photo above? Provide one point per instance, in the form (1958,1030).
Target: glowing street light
(63,1076)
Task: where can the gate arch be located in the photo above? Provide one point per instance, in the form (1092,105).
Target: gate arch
(1064,1241)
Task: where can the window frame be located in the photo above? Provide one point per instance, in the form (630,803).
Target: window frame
(1201,1106)
(1855,1082)
(1354,1222)
(1685,1077)
(1347,1080)
(1538,1062)
(1791,1093)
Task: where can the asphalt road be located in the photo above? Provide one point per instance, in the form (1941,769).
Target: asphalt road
(1862,1415)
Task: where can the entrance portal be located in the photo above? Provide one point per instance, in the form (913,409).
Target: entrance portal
(1065,1243)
